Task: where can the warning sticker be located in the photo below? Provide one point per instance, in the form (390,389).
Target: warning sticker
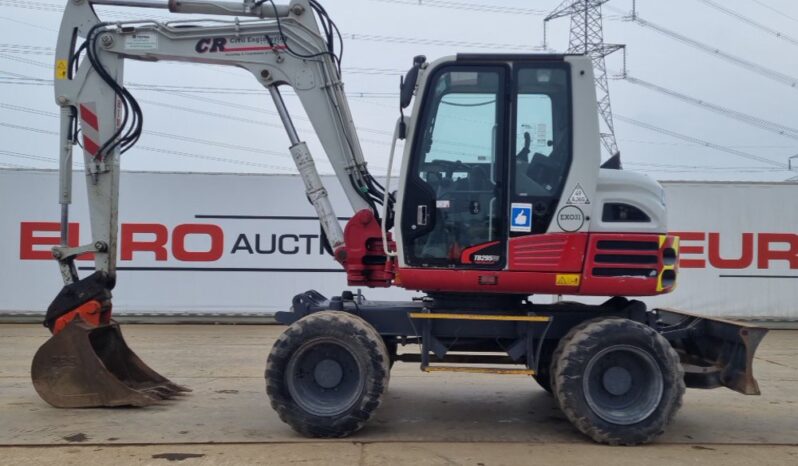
(578,196)
(541,138)
(141,41)
(568,279)
(61,69)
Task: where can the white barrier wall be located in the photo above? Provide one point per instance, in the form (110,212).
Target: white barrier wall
(739,248)
(228,243)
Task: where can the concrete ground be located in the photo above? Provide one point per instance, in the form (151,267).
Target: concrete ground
(425,418)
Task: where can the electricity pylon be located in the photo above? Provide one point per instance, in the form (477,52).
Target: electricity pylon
(587,37)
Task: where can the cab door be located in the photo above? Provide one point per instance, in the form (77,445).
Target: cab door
(454,194)
(541,136)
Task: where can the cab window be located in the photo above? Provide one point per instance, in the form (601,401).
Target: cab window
(457,164)
(542,135)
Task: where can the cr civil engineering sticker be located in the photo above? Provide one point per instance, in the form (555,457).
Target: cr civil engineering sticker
(141,41)
(570,218)
(521,217)
(578,196)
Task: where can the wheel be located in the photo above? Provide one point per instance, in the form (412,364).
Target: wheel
(618,381)
(326,374)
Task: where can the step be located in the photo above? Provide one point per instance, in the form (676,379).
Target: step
(512,318)
(478,370)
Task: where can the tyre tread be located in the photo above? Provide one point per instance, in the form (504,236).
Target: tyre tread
(319,323)
(570,350)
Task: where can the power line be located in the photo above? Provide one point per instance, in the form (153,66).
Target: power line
(32,5)
(683,144)
(468,6)
(437,42)
(148,132)
(197,89)
(262,110)
(226,117)
(25,23)
(22,80)
(748,65)
(54,8)
(181,91)
(27,128)
(761,123)
(781,13)
(38,158)
(26,49)
(750,22)
(15,165)
(161,134)
(700,167)
(660,170)
(237,91)
(39,50)
(157,150)
(689,139)
(697,141)
(25,61)
(23,83)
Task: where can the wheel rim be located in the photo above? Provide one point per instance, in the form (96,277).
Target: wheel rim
(324,377)
(623,384)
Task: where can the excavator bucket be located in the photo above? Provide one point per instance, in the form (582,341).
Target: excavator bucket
(87,366)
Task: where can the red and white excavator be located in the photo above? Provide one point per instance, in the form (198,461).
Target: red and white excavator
(501,197)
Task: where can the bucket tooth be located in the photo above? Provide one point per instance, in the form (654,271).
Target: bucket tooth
(160,390)
(84,367)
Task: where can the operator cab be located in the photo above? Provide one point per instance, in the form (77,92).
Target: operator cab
(488,157)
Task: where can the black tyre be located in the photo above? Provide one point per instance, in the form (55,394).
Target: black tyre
(326,374)
(543,378)
(393,348)
(618,381)
(543,375)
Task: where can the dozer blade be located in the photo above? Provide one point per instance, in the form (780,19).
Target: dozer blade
(84,366)
(714,352)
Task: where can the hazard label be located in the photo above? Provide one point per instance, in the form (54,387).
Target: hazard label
(60,69)
(568,279)
(578,196)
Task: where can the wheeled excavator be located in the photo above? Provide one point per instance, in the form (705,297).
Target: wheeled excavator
(501,200)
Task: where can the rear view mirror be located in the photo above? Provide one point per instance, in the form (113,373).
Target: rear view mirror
(408,84)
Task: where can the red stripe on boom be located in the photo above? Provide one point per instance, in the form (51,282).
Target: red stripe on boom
(90,146)
(89,117)
(254,48)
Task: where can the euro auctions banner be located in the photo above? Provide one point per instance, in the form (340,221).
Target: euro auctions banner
(739,249)
(234,244)
(188,243)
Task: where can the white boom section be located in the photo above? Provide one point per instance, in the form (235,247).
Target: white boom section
(289,52)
